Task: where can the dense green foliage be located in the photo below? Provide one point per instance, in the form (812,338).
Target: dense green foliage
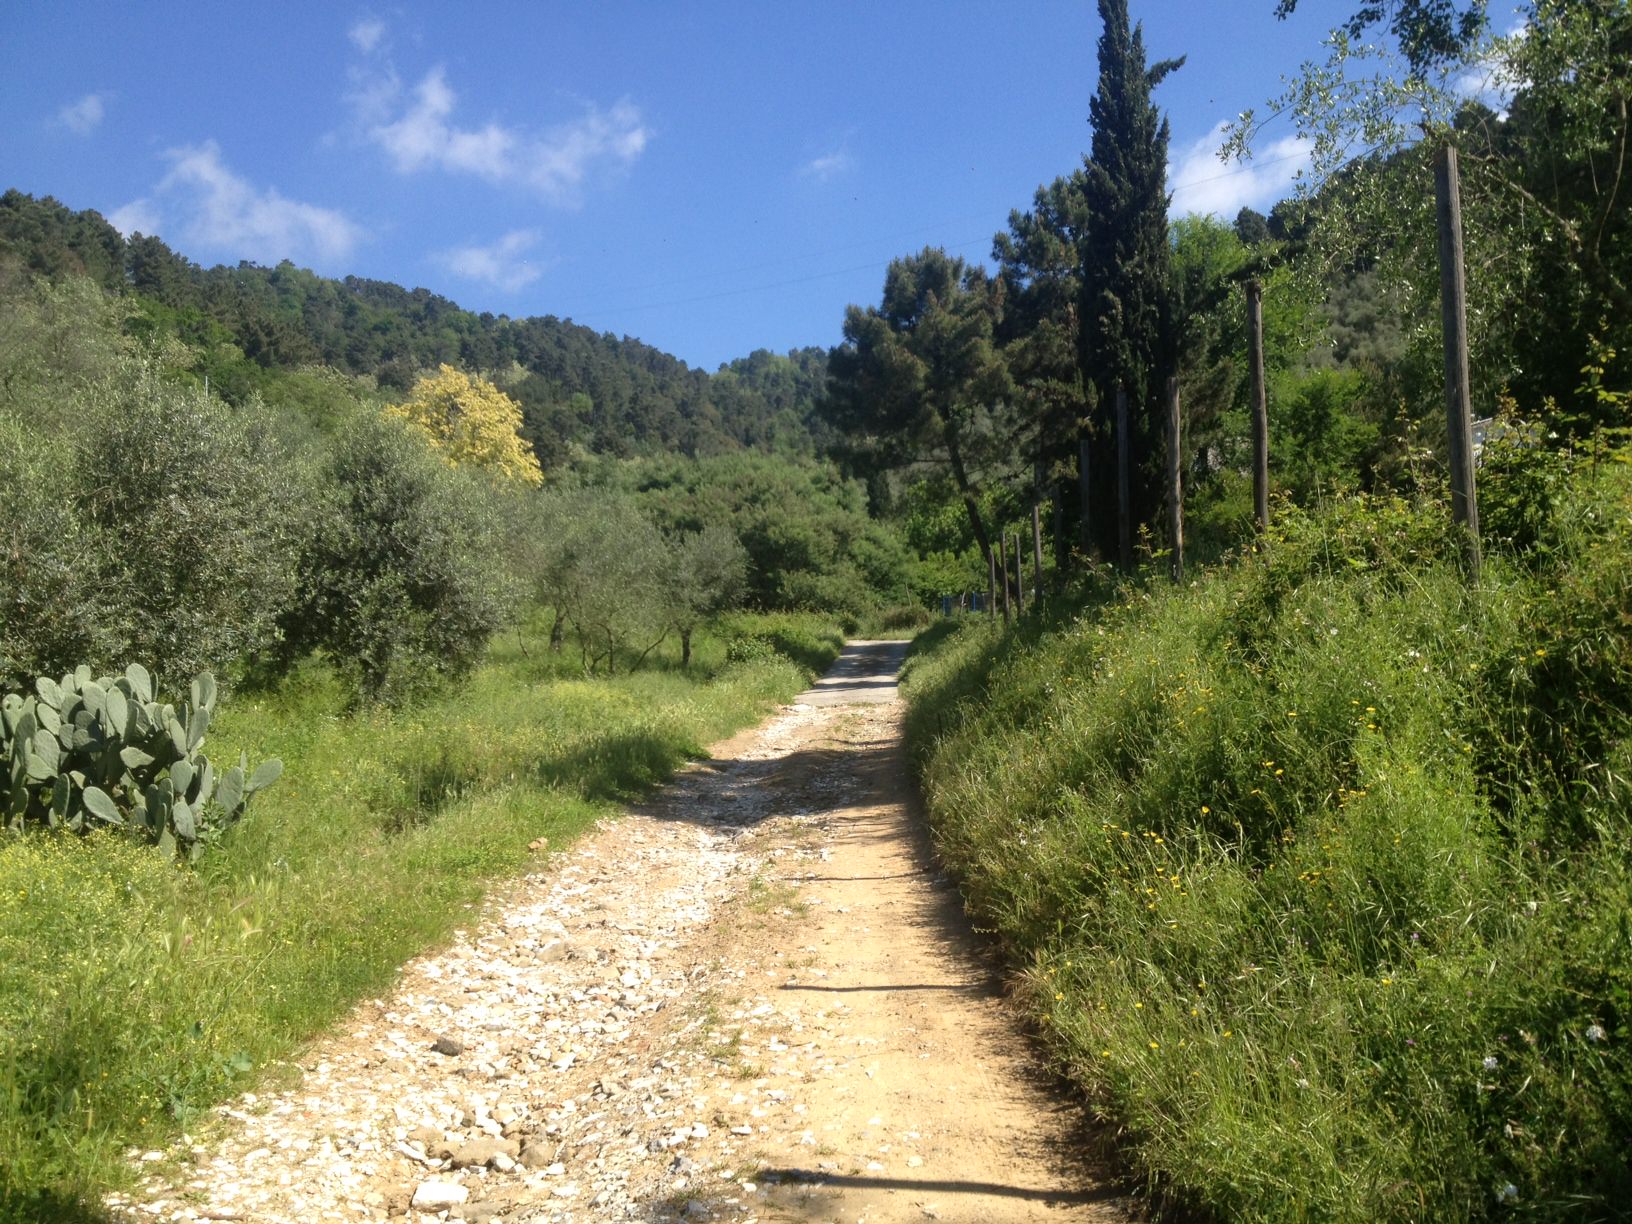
(1327,837)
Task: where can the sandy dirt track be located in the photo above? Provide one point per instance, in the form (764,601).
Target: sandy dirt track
(751,999)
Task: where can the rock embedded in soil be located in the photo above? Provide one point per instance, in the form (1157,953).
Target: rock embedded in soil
(439,1195)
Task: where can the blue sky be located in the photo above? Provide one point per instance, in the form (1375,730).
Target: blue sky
(709,177)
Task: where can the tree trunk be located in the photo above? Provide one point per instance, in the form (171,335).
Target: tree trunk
(685,648)
(954,454)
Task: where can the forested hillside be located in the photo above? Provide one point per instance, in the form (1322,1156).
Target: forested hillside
(579,389)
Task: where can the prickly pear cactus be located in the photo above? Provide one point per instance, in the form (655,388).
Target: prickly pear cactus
(88,753)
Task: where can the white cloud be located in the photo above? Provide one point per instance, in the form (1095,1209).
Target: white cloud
(418,133)
(137,217)
(828,166)
(366,33)
(216,210)
(501,264)
(82,117)
(1488,80)
(1202,183)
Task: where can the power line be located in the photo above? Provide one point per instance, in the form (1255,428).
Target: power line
(784,284)
(601,312)
(929,228)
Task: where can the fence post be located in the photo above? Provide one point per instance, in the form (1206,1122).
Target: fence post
(1124,497)
(1260,405)
(1019,577)
(1036,554)
(1454,314)
(1084,488)
(1175,480)
(1003,569)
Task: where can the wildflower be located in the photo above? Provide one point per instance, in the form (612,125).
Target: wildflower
(1058,996)
(1205,810)
(1490,1063)
(1541,653)
(1595,1032)
(1155,1045)
(1388,981)
(1507,1193)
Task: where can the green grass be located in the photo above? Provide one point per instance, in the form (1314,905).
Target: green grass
(1317,871)
(134,994)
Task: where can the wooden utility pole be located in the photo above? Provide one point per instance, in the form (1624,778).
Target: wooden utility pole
(1260,405)
(1084,488)
(1003,569)
(1037,554)
(1175,480)
(1454,314)
(1019,578)
(1124,492)
(1037,476)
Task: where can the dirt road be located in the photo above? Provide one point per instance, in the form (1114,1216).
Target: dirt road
(752,999)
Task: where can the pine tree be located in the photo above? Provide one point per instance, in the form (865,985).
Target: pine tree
(1126,281)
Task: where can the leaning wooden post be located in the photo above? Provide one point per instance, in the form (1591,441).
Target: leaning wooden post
(1039,475)
(1175,480)
(1124,489)
(1036,554)
(1019,577)
(1260,405)
(1003,569)
(1454,313)
(1084,488)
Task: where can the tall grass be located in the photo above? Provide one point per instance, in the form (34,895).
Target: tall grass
(1318,870)
(134,994)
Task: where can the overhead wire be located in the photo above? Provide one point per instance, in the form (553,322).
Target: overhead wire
(873,265)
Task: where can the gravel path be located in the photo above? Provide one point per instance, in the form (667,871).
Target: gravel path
(752,999)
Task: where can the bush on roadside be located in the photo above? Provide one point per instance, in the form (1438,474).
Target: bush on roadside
(161,525)
(400,583)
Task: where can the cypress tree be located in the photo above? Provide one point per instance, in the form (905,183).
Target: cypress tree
(1126,308)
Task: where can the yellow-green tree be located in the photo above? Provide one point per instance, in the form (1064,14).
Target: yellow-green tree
(471,423)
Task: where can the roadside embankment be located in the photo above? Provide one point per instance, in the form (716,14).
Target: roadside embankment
(1316,871)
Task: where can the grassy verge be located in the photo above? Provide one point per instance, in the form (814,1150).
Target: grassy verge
(134,994)
(1317,871)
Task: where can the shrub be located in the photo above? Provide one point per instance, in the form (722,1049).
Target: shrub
(399,583)
(904,616)
(161,525)
(56,603)
(197,517)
